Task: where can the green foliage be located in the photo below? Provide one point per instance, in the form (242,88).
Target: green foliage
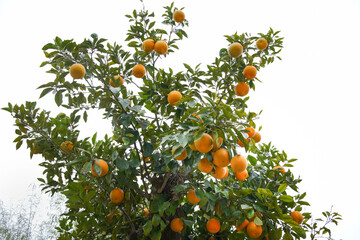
(145,125)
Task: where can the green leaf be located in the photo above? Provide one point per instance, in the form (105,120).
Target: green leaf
(124,102)
(147,227)
(148,149)
(85,116)
(286,198)
(45,91)
(179,188)
(156,220)
(282,187)
(252,160)
(275,234)
(156,235)
(58,98)
(258,221)
(86,168)
(163,207)
(125,119)
(122,164)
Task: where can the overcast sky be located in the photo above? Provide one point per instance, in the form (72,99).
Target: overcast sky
(310,100)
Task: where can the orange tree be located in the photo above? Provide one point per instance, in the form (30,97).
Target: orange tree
(185,158)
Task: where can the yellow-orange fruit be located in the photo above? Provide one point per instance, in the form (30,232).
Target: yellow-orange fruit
(250,132)
(176,225)
(221,157)
(179,16)
(182,156)
(261,43)
(217,142)
(282,170)
(219,172)
(242,89)
(191,197)
(77,71)
(226,173)
(192,146)
(161,47)
(235,50)
(238,163)
(104,168)
(116,77)
(241,176)
(213,225)
(174,97)
(148,45)
(242,226)
(253,230)
(257,137)
(205,165)
(205,143)
(241,144)
(250,72)
(297,216)
(67,146)
(139,71)
(146,211)
(116,195)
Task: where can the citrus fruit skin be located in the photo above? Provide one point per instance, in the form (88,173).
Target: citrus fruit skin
(241,176)
(176,225)
(242,226)
(182,156)
(116,195)
(104,168)
(205,165)
(261,44)
(205,143)
(77,71)
(213,225)
(139,71)
(253,230)
(191,197)
(282,170)
(238,163)
(297,216)
(148,45)
(179,16)
(116,78)
(242,89)
(161,47)
(221,157)
(257,137)
(235,50)
(174,97)
(250,132)
(219,172)
(250,72)
(67,146)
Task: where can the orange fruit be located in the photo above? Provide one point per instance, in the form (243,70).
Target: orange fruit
(139,71)
(148,45)
(77,71)
(241,144)
(282,170)
(34,150)
(161,47)
(221,157)
(257,137)
(116,195)
(116,77)
(242,89)
(176,225)
(297,216)
(241,176)
(250,132)
(235,50)
(179,16)
(238,163)
(253,230)
(182,156)
(217,143)
(147,159)
(213,225)
(191,197)
(104,168)
(192,146)
(226,173)
(67,146)
(146,211)
(205,143)
(261,43)
(250,72)
(219,172)
(174,97)
(205,165)
(242,226)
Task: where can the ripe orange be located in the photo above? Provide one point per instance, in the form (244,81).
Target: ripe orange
(241,144)
(77,71)
(205,165)
(241,176)
(297,216)
(250,132)
(174,97)
(104,168)
(179,16)
(282,170)
(205,143)
(161,47)
(250,72)
(139,71)
(242,226)
(176,225)
(226,173)
(182,156)
(116,77)
(117,195)
(219,172)
(147,159)
(242,89)
(146,211)
(238,163)
(67,146)
(235,50)
(192,146)
(191,197)
(217,143)
(261,43)
(221,157)
(148,45)
(253,230)
(213,225)
(257,137)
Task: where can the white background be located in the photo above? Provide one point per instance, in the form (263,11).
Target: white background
(310,99)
